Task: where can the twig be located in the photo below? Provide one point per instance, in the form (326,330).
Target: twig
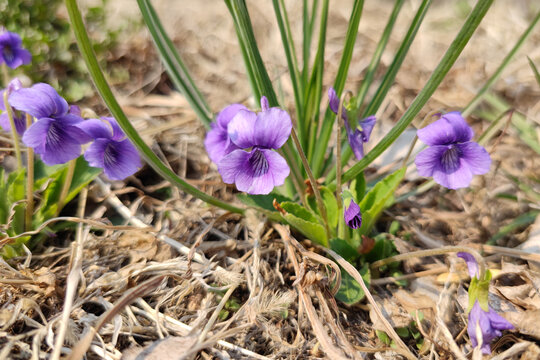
(389,329)
(73,277)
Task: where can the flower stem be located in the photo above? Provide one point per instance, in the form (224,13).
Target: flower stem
(340,122)
(313,181)
(66,186)
(432,252)
(14,134)
(5,75)
(29,181)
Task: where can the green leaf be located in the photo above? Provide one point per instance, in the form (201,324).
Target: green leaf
(358,187)
(299,211)
(265,202)
(350,291)
(330,202)
(16,192)
(446,63)
(4,205)
(343,248)
(378,198)
(176,68)
(304,221)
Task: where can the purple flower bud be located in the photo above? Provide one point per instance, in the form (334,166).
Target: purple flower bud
(352,215)
(451,158)
(55,135)
(257,169)
(358,136)
(11,51)
(18,117)
(472,265)
(484,326)
(111,150)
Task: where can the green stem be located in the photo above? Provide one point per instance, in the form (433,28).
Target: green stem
(67,184)
(14,134)
(314,186)
(104,90)
(29,181)
(341,122)
(433,83)
(433,252)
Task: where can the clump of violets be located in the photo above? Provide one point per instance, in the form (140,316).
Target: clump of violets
(246,156)
(111,150)
(451,158)
(485,324)
(55,135)
(18,117)
(362,131)
(11,51)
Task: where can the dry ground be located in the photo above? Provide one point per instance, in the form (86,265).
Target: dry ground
(234,295)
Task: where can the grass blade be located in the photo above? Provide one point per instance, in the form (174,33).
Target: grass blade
(392,71)
(104,90)
(481,93)
(448,60)
(173,63)
(368,79)
(314,87)
(535,70)
(258,76)
(319,151)
(292,62)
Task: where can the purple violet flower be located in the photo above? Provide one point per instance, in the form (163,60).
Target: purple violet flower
(18,117)
(111,150)
(472,265)
(217,142)
(54,135)
(353,216)
(11,51)
(257,169)
(360,134)
(451,158)
(484,326)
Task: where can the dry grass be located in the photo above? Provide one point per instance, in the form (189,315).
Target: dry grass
(208,284)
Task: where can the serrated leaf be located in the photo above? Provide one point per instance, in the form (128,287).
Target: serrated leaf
(262,201)
(299,211)
(379,198)
(330,202)
(350,291)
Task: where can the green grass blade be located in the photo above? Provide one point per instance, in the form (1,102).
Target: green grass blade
(535,70)
(104,90)
(448,60)
(258,76)
(308,23)
(314,87)
(368,79)
(376,58)
(292,63)
(481,93)
(392,71)
(319,151)
(173,63)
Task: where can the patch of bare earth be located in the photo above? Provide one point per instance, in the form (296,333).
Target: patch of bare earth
(159,274)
